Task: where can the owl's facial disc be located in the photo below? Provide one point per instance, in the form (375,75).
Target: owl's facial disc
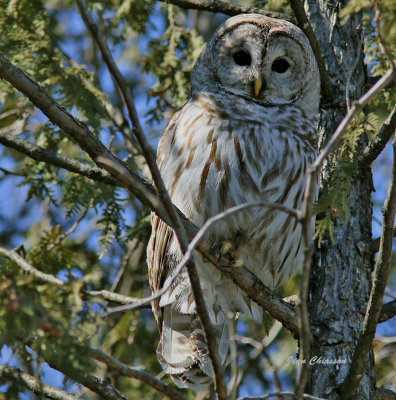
(264,65)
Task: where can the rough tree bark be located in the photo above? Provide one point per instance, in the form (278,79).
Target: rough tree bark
(340,278)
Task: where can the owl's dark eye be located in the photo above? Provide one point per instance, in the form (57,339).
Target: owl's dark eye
(280,66)
(242,58)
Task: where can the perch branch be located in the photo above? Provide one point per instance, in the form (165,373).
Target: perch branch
(303,23)
(379,280)
(225,8)
(143,376)
(35,385)
(377,144)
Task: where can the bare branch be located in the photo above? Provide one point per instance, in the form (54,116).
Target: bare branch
(34,384)
(379,280)
(143,376)
(21,262)
(225,8)
(58,160)
(304,24)
(387,311)
(375,147)
(97,385)
(112,296)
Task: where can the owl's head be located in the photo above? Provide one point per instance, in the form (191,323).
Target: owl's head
(260,59)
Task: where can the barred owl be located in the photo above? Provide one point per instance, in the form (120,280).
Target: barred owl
(247,133)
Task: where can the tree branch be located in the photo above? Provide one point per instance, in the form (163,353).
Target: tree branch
(58,160)
(379,280)
(97,385)
(387,311)
(377,144)
(305,25)
(35,385)
(143,376)
(225,8)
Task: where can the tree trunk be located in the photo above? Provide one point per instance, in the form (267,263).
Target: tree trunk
(340,278)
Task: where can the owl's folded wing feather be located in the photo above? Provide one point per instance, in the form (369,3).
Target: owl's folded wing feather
(161,233)
(156,253)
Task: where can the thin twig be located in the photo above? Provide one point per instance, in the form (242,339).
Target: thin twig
(21,262)
(225,8)
(64,235)
(378,143)
(34,384)
(136,373)
(305,25)
(379,281)
(195,242)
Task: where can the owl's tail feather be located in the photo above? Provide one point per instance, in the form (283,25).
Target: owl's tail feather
(182,351)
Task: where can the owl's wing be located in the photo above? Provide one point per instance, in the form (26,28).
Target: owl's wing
(161,233)
(157,248)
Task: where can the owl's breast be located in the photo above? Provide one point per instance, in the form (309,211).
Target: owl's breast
(213,163)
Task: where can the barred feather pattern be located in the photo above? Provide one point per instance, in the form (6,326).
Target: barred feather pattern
(219,150)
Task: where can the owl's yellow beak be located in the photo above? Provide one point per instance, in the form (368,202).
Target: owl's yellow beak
(257,85)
